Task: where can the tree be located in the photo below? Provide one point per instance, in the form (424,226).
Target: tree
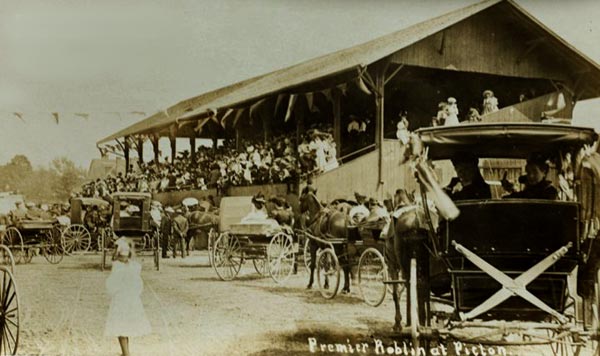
(13,174)
(68,177)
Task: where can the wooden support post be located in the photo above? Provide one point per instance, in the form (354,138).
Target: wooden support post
(337,121)
(140,149)
(193,146)
(379,119)
(173,141)
(238,143)
(126,153)
(155,147)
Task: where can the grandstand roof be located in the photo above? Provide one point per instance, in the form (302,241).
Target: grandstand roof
(340,66)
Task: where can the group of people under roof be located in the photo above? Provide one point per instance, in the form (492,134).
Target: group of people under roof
(448,113)
(278,160)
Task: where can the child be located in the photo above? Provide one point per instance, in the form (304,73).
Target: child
(126,316)
(451,112)
(490,102)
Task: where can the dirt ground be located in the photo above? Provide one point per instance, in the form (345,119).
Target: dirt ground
(63,310)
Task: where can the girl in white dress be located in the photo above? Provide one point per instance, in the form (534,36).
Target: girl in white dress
(452,112)
(126,316)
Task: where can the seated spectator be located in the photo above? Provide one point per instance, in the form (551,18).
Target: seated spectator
(536,184)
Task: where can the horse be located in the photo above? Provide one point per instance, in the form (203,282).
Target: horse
(325,223)
(200,222)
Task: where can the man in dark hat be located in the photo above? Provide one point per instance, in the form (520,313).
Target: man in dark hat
(468,183)
(180,229)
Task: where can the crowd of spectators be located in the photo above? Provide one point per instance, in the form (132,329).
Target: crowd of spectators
(278,160)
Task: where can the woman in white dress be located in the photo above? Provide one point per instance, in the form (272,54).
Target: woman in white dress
(126,316)
(452,113)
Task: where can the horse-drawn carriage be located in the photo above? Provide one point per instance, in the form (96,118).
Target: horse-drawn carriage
(26,237)
(79,236)
(271,247)
(131,219)
(509,271)
(338,245)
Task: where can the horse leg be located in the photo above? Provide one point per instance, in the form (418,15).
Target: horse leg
(398,318)
(345,261)
(313,263)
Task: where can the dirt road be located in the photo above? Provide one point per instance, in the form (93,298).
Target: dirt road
(63,311)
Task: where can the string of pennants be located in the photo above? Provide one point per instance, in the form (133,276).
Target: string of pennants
(289,99)
(57,116)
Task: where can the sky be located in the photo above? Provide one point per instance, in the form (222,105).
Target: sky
(112,58)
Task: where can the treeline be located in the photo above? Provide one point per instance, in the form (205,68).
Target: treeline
(52,184)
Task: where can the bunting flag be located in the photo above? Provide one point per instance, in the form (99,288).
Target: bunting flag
(200,125)
(256,105)
(227,113)
(19,115)
(277,103)
(362,86)
(212,114)
(310,100)
(166,112)
(290,108)
(238,114)
(328,96)
(343,88)
(82,115)
(55,115)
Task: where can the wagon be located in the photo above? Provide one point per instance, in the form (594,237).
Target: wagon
(77,237)
(508,271)
(26,237)
(131,219)
(364,248)
(271,248)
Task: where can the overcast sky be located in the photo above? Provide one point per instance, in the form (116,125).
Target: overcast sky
(110,58)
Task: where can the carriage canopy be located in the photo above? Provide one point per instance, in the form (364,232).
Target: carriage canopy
(506,140)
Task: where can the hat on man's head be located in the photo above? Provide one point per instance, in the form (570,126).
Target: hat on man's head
(451,100)
(488,92)
(169,209)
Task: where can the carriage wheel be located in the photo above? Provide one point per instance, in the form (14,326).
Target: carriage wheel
(9,313)
(328,273)
(213,235)
(76,239)
(14,241)
(281,257)
(52,247)
(6,258)
(414,306)
(227,257)
(261,266)
(372,273)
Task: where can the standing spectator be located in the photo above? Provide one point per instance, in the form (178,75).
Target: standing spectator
(180,229)
(402,128)
(166,230)
(452,112)
(442,114)
(490,102)
(126,315)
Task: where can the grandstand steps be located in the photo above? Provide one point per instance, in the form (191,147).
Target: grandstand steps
(361,175)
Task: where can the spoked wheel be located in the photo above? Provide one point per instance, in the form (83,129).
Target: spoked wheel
(213,235)
(414,305)
(328,273)
(372,273)
(281,257)
(227,257)
(52,247)
(14,241)
(76,239)
(9,313)
(261,266)
(7,259)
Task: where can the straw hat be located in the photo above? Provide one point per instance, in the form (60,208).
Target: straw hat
(451,100)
